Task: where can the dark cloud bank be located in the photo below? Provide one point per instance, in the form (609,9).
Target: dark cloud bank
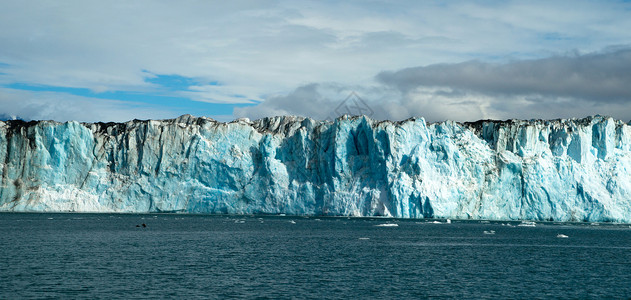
(555,87)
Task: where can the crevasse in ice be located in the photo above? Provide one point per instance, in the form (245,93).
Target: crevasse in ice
(562,170)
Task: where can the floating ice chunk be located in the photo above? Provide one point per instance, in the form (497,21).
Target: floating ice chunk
(527,224)
(387,225)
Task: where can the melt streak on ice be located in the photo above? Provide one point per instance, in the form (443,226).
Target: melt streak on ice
(562,170)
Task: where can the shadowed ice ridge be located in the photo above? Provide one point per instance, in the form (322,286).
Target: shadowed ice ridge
(562,170)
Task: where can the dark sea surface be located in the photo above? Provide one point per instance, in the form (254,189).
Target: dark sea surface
(105,256)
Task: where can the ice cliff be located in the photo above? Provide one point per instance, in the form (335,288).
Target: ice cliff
(562,170)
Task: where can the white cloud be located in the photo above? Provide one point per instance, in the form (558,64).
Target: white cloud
(61,107)
(319,101)
(223,94)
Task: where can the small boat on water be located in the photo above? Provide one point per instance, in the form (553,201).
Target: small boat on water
(489,232)
(527,224)
(562,236)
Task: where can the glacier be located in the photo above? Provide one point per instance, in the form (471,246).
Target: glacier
(561,170)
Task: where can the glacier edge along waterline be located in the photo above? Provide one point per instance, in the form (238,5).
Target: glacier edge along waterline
(560,170)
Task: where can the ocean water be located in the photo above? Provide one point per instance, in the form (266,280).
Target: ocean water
(105,256)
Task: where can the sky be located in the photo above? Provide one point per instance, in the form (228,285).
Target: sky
(441,60)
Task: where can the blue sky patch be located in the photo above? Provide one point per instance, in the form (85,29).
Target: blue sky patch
(175,82)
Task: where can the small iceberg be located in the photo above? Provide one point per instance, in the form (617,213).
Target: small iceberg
(489,232)
(562,236)
(292,222)
(527,224)
(387,225)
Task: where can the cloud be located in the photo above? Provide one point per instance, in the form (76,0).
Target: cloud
(222,94)
(29,105)
(322,101)
(307,101)
(554,87)
(328,101)
(559,86)
(602,77)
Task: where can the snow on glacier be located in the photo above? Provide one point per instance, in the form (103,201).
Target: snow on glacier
(563,170)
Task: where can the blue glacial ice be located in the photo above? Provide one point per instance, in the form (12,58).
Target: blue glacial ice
(562,170)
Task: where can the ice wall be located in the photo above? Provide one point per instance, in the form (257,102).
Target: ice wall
(564,170)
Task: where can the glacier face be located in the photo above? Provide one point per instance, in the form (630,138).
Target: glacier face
(562,170)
